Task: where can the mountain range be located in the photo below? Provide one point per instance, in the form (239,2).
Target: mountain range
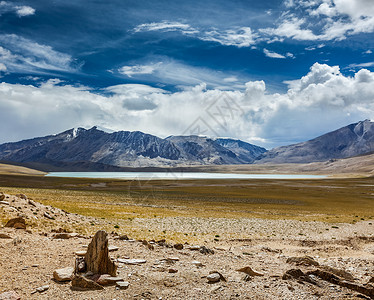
(93,149)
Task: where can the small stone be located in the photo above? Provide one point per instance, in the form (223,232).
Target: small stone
(122,285)
(205,250)
(123,237)
(65,274)
(112,248)
(131,261)
(194,248)
(214,277)
(62,236)
(22,196)
(371,280)
(197,263)
(304,261)
(172,270)
(106,279)
(150,246)
(174,258)
(11,295)
(249,271)
(4,203)
(48,216)
(80,253)
(83,283)
(2,196)
(42,289)
(178,246)
(32,203)
(5,236)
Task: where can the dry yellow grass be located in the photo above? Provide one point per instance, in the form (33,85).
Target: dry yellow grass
(18,170)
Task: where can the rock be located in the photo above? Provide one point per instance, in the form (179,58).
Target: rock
(339,272)
(205,250)
(19,221)
(2,196)
(19,226)
(122,285)
(80,253)
(80,264)
(32,203)
(371,280)
(106,279)
(304,261)
(131,261)
(4,202)
(112,248)
(172,270)
(150,246)
(48,216)
(178,246)
(42,289)
(214,277)
(65,274)
(299,275)
(194,248)
(11,295)
(123,237)
(82,283)
(5,236)
(220,275)
(22,196)
(327,276)
(249,271)
(62,236)
(197,263)
(97,257)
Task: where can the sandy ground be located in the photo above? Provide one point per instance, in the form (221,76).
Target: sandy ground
(30,257)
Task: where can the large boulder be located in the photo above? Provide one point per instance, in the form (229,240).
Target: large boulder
(97,257)
(18,223)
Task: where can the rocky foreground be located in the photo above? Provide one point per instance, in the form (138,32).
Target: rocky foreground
(43,257)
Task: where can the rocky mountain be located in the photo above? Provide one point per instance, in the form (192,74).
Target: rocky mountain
(96,149)
(352,140)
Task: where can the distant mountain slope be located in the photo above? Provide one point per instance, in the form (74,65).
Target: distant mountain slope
(352,140)
(96,149)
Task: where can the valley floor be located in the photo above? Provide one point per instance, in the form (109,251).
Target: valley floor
(262,224)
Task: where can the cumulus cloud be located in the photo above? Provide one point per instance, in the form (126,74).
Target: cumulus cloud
(21,11)
(21,54)
(322,100)
(273,54)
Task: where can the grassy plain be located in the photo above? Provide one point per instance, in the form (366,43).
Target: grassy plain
(328,200)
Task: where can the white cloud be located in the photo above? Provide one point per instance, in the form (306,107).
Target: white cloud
(368,52)
(239,37)
(322,100)
(20,54)
(138,69)
(362,65)
(21,11)
(168,71)
(166,26)
(273,54)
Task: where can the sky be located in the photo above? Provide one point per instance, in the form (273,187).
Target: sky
(270,73)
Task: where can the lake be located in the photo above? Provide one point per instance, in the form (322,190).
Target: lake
(178,175)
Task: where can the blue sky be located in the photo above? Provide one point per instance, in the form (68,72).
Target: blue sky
(288,70)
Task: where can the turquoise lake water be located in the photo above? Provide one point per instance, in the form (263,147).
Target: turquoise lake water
(178,175)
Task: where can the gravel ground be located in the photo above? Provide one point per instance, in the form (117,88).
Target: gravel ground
(30,257)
